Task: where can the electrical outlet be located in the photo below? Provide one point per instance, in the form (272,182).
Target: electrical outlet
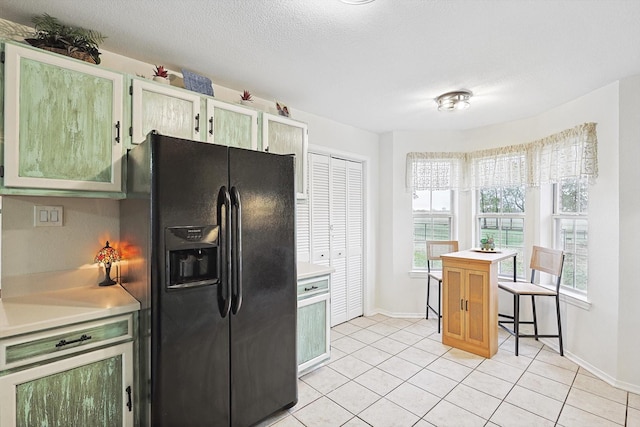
(47,216)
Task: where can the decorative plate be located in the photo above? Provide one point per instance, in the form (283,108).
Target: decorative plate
(487,251)
(197,83)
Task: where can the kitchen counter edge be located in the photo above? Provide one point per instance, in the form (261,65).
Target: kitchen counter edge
(36,312)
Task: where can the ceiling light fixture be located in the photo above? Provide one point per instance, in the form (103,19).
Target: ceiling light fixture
(452,101)
(356,1)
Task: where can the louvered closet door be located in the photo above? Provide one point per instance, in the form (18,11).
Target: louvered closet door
(303,237)
(319,215)
(336,229)
(355,239)
(338,215)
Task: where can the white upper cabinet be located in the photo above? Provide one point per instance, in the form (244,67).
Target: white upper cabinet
(281,135)
(62,122)
(232,125)
(166,109)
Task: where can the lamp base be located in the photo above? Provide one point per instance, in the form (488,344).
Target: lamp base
(108,281)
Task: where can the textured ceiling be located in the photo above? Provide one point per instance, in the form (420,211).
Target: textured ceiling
(376,66)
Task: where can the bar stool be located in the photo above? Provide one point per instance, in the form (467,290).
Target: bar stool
(435,248)
(542,260)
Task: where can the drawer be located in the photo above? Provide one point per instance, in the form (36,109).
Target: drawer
(36,347)
(313,286)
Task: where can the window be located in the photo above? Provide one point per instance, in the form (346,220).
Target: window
(501,216)
(432,220)
(571,230)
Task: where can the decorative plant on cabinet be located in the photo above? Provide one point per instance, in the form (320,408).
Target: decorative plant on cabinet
(75,42)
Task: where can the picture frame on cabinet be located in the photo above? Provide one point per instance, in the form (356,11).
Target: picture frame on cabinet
(197,83)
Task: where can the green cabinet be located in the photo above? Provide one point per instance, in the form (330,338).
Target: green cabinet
(80,375)
(313,347)
(170,111)
(62,123)
(232,125)
(281,135)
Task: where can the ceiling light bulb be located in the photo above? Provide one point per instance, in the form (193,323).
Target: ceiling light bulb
(452,101)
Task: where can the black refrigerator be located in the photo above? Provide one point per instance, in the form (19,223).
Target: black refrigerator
(208,237)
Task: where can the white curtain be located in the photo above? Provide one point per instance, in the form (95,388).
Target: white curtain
(434,171)
(572,153)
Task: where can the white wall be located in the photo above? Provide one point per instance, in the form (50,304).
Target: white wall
(598,337)
(88,224)
(328,136)
(629,179)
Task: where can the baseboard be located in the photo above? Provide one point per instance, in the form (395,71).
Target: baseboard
(420,315)
(553,343)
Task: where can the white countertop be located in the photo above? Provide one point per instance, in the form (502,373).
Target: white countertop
(29,313)
(44,310)
(307,270)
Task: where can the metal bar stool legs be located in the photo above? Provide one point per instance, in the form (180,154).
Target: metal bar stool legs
(429,307)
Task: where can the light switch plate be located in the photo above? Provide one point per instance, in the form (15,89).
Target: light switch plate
(47,216)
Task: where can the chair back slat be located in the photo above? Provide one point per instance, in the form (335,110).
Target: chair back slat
(435,248)
(547,260)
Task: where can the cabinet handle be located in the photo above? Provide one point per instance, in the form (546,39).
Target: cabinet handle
(466,306)
(461,305)
(311,288)
(128,390)
(118,131)
(84,337)
(197,122)
(211,125)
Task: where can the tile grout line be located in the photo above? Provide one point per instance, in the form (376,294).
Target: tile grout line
(422,337)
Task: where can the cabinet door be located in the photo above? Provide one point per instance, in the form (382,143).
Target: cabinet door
(453,319)
(281,135)
(63,122)
(92,389)
(168,110)
(477,307)
(313,332)
(232,125)
(319,224)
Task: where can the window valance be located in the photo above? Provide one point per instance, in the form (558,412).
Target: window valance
(571,153)
(434,171)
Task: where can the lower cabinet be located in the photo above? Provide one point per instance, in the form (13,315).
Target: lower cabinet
(86,387)
(313,323)
(466,320)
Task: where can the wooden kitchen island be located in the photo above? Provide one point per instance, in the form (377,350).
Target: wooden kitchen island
(470,300)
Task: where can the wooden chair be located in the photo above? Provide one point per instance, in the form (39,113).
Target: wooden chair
(542,260)
(434,250)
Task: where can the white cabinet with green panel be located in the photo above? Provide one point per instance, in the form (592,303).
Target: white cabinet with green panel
(282,135)
(62,122)
(313,323)
(232,125)
(169,110)
(80,375)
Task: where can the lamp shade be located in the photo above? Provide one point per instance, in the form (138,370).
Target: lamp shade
(107,255)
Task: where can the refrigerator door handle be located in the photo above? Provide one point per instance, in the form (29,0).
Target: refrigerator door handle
(224,288)
(236,300)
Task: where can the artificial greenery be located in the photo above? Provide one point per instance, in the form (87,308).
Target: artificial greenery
(52,33)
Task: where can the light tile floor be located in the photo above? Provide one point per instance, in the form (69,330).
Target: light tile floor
(396,372)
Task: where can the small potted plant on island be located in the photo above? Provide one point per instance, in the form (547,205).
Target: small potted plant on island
(160,74)
(246,98)
(488,244)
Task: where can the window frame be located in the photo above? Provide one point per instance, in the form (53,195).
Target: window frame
(432,215)
(500,217)
(558,217)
